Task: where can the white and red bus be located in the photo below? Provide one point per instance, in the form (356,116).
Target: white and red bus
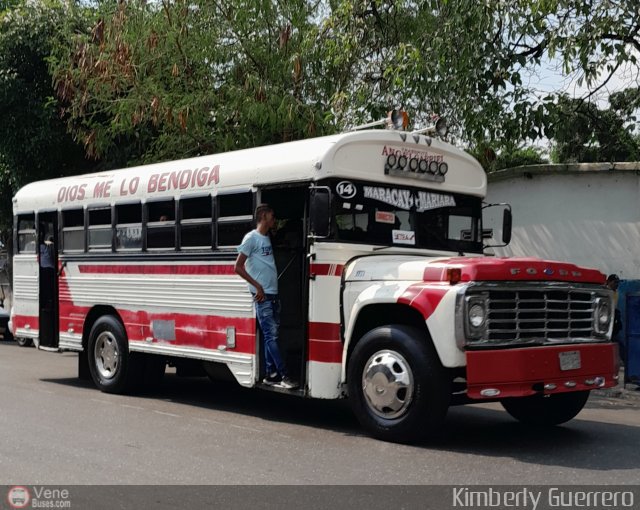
(387,298)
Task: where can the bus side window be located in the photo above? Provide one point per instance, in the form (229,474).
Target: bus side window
(235,218)
(99,229)
(129,227)
(195,222)
(26,233)
(161,225)
(73,230)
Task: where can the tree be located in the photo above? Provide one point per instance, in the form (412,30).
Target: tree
(583,132)
(172,79)
(475,62)
(156,80)
(34,143)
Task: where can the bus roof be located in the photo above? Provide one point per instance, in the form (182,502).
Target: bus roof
(360,155)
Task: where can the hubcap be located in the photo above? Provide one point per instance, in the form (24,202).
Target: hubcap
(107,355)
(387,384)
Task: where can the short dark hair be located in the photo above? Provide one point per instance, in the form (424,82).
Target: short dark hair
(613,278)
(261,211)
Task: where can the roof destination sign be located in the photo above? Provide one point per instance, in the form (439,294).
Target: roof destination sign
(407,199)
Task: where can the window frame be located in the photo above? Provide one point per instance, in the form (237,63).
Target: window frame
(147,225)
(64,229)
(247,219)
(27,231)
(101,226)
(196,222)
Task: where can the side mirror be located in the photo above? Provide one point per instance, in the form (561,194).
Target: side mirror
(320,211)
(506,226)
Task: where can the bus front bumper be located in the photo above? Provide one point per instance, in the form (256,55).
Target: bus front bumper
(521,372)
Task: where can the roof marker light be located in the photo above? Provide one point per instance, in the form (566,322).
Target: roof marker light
(454,275)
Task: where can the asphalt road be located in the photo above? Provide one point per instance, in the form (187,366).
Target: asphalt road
(56,429)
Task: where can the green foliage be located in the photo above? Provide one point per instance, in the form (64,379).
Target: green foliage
(138,81)
(153,81)
(34,143)
(473,62)
(583,133)
(509,156)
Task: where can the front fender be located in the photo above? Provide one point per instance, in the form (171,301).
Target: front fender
(435,302)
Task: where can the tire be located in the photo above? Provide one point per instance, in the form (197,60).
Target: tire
(398,389)
(112,367)
(546,410)
(24,342)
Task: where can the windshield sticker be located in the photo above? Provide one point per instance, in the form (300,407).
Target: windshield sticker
(406,198)
(385,217)
(403,237)
(346,205)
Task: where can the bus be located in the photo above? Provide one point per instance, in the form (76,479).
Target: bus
(387,296)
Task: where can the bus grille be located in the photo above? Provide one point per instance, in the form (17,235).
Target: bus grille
(539,315)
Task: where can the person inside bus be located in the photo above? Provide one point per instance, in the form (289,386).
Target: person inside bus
(47,269)
(46,252)
(256,265)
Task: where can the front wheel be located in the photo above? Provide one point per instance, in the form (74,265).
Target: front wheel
(546,410)
(399,390)
(110,363)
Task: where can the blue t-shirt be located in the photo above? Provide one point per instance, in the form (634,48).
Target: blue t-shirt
(260,262)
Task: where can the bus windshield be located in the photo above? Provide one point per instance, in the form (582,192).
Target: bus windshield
(404,216)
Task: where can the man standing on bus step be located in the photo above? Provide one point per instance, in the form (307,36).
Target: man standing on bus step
(261,274)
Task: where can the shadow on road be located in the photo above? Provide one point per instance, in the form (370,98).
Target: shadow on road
(469,429)
(580,443)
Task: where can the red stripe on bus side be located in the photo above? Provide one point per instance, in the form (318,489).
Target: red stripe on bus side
(183,269)
(22,321)
(424,298)
(327,269)
(324,342)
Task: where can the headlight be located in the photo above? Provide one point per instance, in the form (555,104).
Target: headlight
(477,314)
(603,315)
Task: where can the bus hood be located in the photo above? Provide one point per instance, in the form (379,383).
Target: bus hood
(414,268)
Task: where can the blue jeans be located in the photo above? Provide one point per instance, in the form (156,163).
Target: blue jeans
(268,313)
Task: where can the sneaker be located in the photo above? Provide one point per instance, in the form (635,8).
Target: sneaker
(272,379)
(288,383)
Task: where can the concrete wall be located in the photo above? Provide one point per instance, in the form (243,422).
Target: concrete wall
(588,214)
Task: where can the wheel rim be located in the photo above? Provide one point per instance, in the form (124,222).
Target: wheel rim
(107,355)
(387,384)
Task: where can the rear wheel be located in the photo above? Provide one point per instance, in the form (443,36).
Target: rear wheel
(398,389)
(111,365)
(546,410)
(23,342)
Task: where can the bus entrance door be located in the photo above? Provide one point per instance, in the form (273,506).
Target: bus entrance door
(48,279)
(289,247)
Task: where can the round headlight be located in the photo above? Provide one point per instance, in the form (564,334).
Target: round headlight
(604,313)
(476,315)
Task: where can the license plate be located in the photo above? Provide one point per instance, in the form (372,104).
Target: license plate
(569,360)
